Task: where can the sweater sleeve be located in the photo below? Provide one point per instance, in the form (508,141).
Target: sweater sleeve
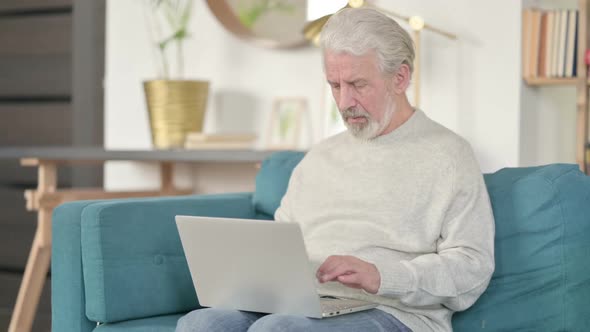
(460,269)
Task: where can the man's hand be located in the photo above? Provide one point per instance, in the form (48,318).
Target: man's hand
(351,272)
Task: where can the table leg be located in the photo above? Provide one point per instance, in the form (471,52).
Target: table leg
(40,255)
(166,178)
(39,258)
(33,279)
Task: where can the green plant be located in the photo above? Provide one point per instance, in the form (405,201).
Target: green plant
(286,119)
(249,15)
(169,20)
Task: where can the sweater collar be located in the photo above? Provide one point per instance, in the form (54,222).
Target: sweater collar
(401,131)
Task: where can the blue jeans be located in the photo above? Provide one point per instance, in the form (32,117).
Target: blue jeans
(218,320)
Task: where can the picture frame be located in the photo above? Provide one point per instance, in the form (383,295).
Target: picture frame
(285,126)
(332,120)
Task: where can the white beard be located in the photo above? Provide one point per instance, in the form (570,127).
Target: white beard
(371,128)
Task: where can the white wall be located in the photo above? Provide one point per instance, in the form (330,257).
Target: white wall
(471,85)
(548,125)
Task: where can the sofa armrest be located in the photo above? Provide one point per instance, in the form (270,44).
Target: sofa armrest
(67,286)
(114,260)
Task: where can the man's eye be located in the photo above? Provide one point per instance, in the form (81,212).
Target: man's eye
(360,85)
(336,86)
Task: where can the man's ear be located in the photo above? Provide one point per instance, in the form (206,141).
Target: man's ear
(401,79)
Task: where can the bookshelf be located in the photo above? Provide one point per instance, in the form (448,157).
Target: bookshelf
(546,50)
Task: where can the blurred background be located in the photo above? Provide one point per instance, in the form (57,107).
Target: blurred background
(72,73)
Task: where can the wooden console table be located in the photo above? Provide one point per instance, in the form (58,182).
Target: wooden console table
(47,196)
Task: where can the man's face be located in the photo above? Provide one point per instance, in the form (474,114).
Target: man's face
(361,92)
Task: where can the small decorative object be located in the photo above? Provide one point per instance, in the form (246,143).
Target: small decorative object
(198,140)
(286,123)
(176,106)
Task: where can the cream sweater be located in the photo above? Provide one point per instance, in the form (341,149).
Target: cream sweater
(412,202)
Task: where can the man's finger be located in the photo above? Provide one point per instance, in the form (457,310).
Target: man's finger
(335,272)
(335,267)
(330,263)
(351,280)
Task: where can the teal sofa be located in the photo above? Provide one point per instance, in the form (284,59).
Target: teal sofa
(121,263)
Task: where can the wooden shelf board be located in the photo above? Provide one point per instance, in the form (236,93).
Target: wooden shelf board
(550,81)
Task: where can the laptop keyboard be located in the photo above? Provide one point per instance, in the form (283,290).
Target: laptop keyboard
(332,304)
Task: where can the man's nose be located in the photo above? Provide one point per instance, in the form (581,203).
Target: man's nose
(347,99)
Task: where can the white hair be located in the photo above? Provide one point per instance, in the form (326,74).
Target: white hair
(359,30)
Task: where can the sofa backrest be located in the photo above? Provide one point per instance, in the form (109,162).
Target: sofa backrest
(542,252)
(272,181)
(542,246)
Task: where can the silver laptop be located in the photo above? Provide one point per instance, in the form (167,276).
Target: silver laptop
(255,265)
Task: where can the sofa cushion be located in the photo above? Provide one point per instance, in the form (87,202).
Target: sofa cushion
(133,262)
(272,181)
(542,247)
(152,324)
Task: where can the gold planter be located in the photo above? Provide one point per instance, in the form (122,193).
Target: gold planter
(175,107)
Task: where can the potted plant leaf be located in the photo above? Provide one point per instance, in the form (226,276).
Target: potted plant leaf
(176,106)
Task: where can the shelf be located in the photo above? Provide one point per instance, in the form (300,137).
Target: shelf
(551,81)
(545,33)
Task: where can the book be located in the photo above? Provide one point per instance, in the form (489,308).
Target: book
(555,43)
(549,43)
(219,141)
(526,45)
(535,37)
(576,56)
(550,39)
(563,28)
(543,46)
(570,51)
